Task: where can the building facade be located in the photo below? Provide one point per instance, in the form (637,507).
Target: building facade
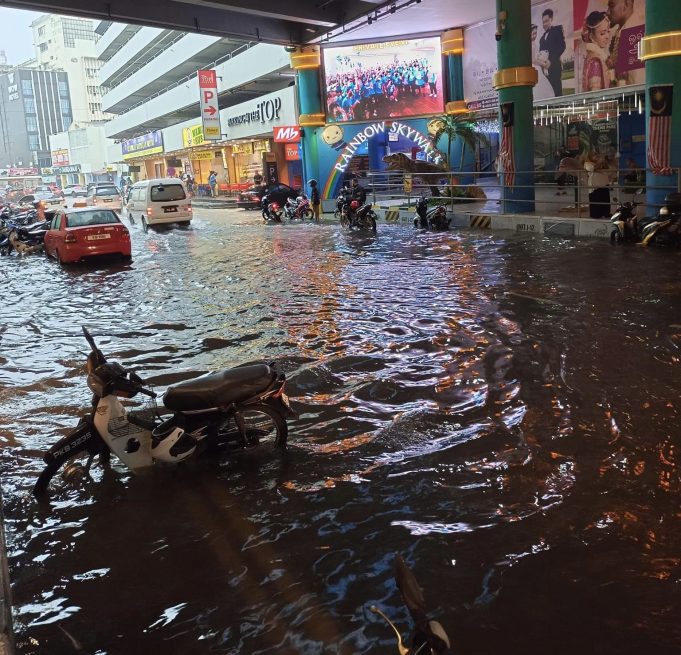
(34,104)
(68,44)
(152,87)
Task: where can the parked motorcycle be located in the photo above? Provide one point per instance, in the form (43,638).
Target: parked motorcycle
(355,217)
(298,208)
(625,222)
(241,408)
(271,211)
(429,637)
(434,218)
(343,198)
(665,229)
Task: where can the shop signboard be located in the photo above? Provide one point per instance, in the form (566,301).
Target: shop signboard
(258,118)
(242,148)
(292,152)
(388,79)
(192,136)
(14,172)
(286,134)
(576,47)
(201,156)
(71,168)
(60,157)
(263,145)
(150,143)
(210,112)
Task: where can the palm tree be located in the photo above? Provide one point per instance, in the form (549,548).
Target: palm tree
(458,126)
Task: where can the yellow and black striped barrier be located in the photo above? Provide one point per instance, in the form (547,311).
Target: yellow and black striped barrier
(392,215)
(481,221)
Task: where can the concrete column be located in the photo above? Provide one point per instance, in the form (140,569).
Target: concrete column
(661,51)
(306,61)
(452,49)
(514,81)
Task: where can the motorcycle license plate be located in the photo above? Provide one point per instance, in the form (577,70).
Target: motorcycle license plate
(96,237)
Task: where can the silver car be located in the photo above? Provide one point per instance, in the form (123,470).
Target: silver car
(108,197)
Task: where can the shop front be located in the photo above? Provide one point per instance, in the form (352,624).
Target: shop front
(145,152)
(589,100)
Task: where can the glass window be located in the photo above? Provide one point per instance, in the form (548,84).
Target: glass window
(31,123)
(33,142)
(63,89)
(65,105)
(42,46)
(27,87)
(107,191)
(138,194)
(29,105)
(55,221)
(94,217)
(168,192)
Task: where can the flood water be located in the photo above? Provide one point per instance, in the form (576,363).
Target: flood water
(501,410)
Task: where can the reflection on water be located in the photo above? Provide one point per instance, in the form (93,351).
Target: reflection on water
(502,411)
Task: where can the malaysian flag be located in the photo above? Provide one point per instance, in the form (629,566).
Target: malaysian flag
(506,154)
(660,129)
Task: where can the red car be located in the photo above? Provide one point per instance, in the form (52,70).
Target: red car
(79,233)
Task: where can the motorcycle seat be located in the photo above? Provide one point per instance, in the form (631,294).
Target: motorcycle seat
(219,389)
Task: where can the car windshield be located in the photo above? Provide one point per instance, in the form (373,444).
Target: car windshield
(107,191)
(167,192)
(86,219)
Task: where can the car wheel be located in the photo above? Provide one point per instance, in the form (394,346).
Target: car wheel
(145,227)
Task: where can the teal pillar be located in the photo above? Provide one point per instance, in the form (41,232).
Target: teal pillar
(454,78)
(661,51)
(309,91)
(514,81)
(306,61)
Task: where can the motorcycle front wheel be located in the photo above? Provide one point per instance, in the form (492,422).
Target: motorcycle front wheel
(344,221)
(74,464)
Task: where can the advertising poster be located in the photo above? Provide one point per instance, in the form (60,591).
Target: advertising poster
(391,79)
(551,34)
(479,66)
(606,37)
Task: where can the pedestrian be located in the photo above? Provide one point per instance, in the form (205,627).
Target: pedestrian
(315,199)
(432,82)
(213,182)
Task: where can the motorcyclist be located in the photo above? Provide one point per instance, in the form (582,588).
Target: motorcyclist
(358,192)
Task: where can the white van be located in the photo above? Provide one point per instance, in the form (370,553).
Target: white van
(153,202)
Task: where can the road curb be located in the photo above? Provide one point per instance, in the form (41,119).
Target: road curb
(6,629)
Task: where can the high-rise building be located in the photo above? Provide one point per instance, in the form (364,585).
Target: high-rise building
(68,44)
(34,104)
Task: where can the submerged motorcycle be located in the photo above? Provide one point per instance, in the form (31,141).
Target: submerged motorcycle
(359,218)
(625,223)
(298,207)
(665,229)
(434,218)
(429,637)
(271,211)
(241,408)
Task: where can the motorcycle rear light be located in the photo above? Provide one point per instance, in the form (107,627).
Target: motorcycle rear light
(275,206)
(70,238)
(255,198)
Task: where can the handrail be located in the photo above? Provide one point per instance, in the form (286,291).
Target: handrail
(571,196)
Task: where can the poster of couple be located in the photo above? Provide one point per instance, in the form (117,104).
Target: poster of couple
(576,47)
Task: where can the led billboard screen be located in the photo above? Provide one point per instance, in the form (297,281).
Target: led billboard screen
(389,79)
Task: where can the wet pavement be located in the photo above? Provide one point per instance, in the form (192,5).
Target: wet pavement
(501,410)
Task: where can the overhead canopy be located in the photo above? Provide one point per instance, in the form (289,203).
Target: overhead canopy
(271,21)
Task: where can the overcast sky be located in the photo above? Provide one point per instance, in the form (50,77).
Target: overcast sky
(17,36)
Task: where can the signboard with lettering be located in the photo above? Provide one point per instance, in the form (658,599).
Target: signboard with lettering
(60,157)
(292,152)
(243,148)
(287,134)
(201,156)
(210,112)
(192,136)
(72,168)
(150,143)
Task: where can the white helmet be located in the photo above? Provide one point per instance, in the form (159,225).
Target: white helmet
(174,447)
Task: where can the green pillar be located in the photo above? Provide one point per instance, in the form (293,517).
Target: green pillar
(454,78)
(309,91)
(660,49)
(514,81)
